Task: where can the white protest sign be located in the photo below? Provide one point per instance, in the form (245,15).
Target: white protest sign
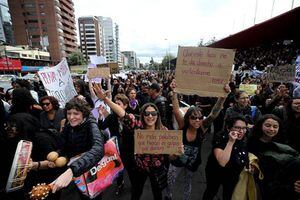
(285,73)
(97,60)
(58,82)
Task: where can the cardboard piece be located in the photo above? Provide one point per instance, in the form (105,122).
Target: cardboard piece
(284,73)
(157,142)
(114,67)
(203,71)
(249,88)
(103,72)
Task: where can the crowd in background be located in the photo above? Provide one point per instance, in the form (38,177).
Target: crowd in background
(267,124)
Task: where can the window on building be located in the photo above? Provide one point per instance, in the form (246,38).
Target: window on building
(28,5)
(32,28)
(35,44)
(35,36)
(33,21)
(42,5)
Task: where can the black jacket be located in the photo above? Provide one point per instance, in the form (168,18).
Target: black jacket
(85,138)
(161,103)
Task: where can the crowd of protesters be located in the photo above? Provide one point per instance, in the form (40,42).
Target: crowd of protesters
(277,53)
(266,124)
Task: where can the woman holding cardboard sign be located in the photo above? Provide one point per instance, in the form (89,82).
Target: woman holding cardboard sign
(153,166)
(194,127)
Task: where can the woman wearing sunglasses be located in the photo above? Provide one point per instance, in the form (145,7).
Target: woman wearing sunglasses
(153,166)
(194,127)
(52,115)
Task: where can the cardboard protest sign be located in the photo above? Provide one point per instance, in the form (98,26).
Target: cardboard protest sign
(157,142)
(114,67)
(98,72)
(249,88)
(285,73)
(203,71)
(20,165)
(58,82)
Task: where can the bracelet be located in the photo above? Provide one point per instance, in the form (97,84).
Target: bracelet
(39,165)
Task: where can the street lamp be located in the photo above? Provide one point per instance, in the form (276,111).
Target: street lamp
(168,52)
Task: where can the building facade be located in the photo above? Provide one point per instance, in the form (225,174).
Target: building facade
(132,59)
(47,24)
(111,41)
(90,35)
(6,30)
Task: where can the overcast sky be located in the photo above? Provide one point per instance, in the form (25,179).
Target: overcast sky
(151,28)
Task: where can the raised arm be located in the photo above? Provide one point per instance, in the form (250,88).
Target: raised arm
(223,155)
(176,109)
(216,109)
(93,95)
(103,96)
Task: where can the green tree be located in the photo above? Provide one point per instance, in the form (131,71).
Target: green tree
(201,43)
(166,61)
(76,58)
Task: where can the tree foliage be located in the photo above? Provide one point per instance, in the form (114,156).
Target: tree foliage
(76,58)
(166,62)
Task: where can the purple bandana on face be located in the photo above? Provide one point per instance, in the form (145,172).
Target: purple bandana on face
(133,103)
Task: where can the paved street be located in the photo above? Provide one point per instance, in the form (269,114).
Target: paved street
(198,182)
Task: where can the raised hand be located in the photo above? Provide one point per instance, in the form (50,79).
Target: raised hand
(233,135)
(99,92)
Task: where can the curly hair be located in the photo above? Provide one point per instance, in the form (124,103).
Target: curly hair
(79,105)
(229,123)
(158,124)
(53,101)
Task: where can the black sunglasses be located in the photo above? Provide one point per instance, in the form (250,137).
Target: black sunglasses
(192,117)
(45,104)
(153,113)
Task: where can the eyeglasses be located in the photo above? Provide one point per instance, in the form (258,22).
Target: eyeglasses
(192,117)
(238,128)
(244,98)
(148,113)
(45,104)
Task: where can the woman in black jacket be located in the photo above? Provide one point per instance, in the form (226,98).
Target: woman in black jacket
(228,158)
(81,135)
(279,162)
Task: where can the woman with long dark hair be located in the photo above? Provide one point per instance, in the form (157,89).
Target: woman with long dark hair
(141,166)
(194,127)
(279,163)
